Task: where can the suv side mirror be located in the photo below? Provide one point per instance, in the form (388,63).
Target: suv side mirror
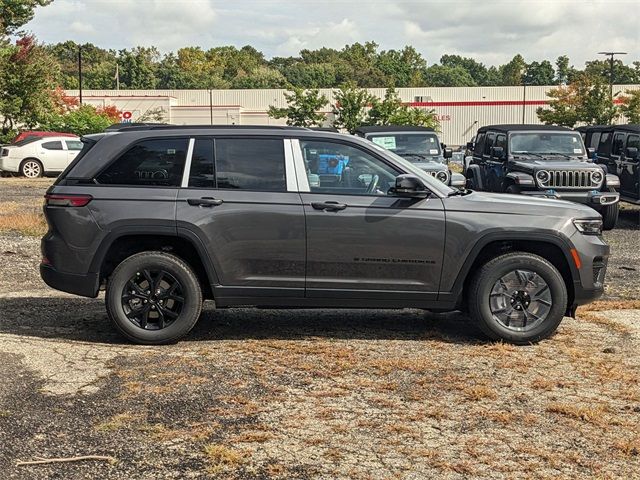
(497,152)
(471,146)
(631,152)
(409,186)
(448,152)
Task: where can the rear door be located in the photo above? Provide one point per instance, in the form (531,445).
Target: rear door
(630,170)
(360,241)
(73,149)
(240,200)
(53,155)
(486,160)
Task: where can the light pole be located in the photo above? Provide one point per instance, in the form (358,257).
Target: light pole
(611,66)
(80,72)
(524,101)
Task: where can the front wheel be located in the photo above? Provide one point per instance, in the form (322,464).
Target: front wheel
(610,216)
(153,298)
(518,297)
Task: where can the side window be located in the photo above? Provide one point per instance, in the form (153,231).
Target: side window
(75,145)
(605,143)
(618,144)
(157,162)
(250,164)
(633,141)
(595,140)
(479,146)
(52,145)
(343,169)
(491,138)
(202,174)
(501,141)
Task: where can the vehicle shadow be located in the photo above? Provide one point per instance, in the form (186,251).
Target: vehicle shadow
(85,320)
(629,219)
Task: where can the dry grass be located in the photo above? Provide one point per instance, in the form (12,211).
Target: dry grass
(23,219)
(221,458)
(118,422)
(588,413)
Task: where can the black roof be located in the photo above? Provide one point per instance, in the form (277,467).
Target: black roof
(128,127)
(392,128)
(523,127)
(631,127)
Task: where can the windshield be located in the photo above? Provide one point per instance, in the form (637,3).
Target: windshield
(563,143)
(431,182)
(408,144)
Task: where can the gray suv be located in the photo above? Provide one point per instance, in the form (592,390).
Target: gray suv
(164,217)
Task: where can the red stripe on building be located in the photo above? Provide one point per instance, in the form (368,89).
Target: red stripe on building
(482,103)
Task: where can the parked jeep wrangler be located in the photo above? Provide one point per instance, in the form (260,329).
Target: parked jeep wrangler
(617,147)
(164,217)
(419,145)
(543,161)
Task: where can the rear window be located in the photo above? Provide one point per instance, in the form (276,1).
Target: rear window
(74,144)
(157,162)
(52,145)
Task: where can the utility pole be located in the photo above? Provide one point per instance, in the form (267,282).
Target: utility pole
(611,67)
(524,102)
(80,71)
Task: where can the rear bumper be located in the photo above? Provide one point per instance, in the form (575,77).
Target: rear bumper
(85,285)
(592,198)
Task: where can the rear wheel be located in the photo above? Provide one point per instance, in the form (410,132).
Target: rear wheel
(31,168)
(518,297)
(153,298)
(513,189)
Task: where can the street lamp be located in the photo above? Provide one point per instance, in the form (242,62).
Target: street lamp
(611,55)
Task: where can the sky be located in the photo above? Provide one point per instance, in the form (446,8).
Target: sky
(490,31)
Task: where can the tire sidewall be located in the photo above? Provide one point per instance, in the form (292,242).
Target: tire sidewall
(31,160)
(558,297)
(191,292)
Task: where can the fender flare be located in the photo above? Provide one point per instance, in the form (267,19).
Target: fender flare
(473,173)
(518,178)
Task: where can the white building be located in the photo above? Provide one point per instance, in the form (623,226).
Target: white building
(461,109)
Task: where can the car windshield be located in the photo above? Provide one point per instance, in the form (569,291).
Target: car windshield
(413,146)
(562,143)
(431,182)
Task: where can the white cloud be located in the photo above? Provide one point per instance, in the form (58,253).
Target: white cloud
(491,31)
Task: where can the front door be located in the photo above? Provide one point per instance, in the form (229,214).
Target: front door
(361,241)
(239,200)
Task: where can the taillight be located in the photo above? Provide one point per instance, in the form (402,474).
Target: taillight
(56,200)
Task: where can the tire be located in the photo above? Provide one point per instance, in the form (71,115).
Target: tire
(513,189)
(610,216)
(487,281)
(31,168)
(470,184)
(126,289)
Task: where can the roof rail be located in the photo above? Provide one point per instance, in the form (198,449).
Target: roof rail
(121,127)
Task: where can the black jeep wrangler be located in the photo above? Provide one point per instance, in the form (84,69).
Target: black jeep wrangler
(616,147)
(541,160)
(419,145)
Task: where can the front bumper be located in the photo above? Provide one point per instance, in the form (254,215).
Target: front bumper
(593,252)
(592,198)
(85,285)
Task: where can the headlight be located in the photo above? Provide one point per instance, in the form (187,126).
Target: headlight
(597,176)
(442,176)
(588,226)
(543,176)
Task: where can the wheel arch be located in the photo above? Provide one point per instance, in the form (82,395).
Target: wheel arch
(32,158)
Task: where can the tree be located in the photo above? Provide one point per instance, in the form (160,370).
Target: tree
(622,74)
(261,77)
(391,111)
(15,13)
(539,73)
(630,106)
(137,67)
(303,108)
(585,100)
(476,70)
(83,120)
(513,72)
(27,80)
(350,106)
(448,76)
(563,71)
(403,68)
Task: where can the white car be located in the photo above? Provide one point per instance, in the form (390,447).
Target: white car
(37,157)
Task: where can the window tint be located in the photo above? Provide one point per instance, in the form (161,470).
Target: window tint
(633,141)
(74,144)
(52,145)
(605,143)
(491,137)
(158,162)
(618,144)
(479,146)
(595,140)
(250,164)
(343,169)
(501,141)
(202,166)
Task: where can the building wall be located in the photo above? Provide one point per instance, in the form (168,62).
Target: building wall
(461,109)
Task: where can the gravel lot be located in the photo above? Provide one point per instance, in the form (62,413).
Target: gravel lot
(315,394)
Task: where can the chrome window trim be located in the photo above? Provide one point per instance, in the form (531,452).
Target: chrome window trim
(187,164)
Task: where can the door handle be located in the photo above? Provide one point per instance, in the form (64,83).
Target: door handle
(329,206)
(204,202)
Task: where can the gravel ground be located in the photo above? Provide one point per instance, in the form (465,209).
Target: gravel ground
(315,394)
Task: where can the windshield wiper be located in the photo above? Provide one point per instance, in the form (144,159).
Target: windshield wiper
(568,157)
